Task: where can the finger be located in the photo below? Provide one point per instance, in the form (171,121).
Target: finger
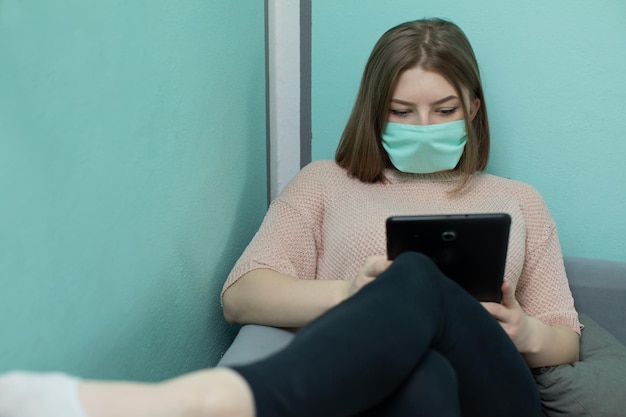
(374,259)
(494,309)
(498,311)
(508,295)
(376,265)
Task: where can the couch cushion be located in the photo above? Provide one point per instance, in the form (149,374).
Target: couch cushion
(593,387)
(255,342)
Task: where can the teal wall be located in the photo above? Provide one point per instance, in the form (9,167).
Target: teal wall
(554,82)
(132,175)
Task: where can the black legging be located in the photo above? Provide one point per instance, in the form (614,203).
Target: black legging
(411,343)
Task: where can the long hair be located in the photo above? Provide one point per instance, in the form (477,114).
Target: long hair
(435,45)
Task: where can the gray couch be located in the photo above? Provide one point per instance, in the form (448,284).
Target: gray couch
(593,387)
(598,286)
(599,289)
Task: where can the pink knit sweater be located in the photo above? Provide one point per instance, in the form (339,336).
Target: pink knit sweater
(325,224)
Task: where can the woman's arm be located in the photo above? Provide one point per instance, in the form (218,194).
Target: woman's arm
(538,311)
(264,296)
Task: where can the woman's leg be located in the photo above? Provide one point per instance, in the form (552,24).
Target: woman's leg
(356,354)
(346,333)
(218,392)
(430,390)
(349,360)
(360,352)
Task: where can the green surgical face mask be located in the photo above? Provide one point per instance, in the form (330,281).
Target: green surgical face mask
(425,149)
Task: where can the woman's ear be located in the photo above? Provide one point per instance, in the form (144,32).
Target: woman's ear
(474,106)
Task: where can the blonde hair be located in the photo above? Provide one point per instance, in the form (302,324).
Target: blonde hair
(435,45)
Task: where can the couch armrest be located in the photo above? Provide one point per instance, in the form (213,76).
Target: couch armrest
(254,342)
(599,290)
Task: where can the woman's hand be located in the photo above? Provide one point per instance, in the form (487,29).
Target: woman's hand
(512,319)
(371,269)
(539,343)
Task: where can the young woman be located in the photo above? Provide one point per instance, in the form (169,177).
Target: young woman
(377,338)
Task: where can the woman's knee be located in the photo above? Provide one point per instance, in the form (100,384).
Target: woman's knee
(417,274)
(415,266)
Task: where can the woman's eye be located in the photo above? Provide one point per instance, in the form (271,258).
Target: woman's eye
(400,113)
(448,111)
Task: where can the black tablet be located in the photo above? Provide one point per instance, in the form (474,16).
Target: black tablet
(468,248)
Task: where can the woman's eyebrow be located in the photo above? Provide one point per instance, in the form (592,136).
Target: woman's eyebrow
(434,103)
(443,100)
(406,103)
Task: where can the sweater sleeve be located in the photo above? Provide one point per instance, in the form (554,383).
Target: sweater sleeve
(543,289)
(288,239)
